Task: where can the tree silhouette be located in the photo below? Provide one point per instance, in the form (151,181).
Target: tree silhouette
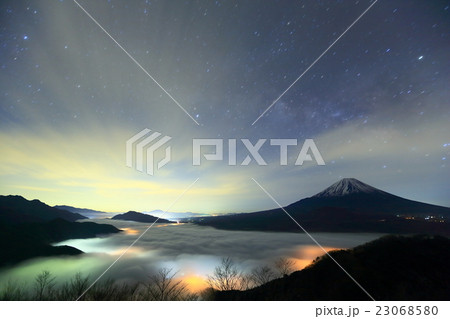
(226,276)
(284,266)
(13,290)
(247,282)
(44,285)
(163,286)
(262,275)
(74,288)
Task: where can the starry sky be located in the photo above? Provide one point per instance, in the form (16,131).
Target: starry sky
(376,103)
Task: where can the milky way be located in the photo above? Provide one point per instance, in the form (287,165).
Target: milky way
(376,104)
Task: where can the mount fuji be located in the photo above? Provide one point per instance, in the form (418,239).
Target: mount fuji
(348,205)
(347,186)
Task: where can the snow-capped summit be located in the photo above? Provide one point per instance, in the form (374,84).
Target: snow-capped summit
(346,206)
(347,186)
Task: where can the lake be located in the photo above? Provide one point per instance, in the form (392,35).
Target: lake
(193,251)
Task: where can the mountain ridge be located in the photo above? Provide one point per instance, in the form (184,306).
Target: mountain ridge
(389,268)
(140,217)
(29,228)
(86,212)
(346,206)
(16,209)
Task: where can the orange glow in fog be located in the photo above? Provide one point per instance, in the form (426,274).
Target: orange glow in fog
(195,283)
(165,225)
(130,231)
(306,254)
(130,250)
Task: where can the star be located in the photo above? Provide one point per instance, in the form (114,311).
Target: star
(226,69)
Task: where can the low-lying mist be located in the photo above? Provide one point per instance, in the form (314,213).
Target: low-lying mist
(193,251)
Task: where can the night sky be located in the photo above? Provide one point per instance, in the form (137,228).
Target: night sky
(377,104)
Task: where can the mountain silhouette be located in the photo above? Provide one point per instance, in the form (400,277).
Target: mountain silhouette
(86,212)
(140,217)
(29,228)
(346,206)
(16,209)
(389,268)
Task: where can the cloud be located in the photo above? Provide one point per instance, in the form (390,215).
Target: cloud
(192,250)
